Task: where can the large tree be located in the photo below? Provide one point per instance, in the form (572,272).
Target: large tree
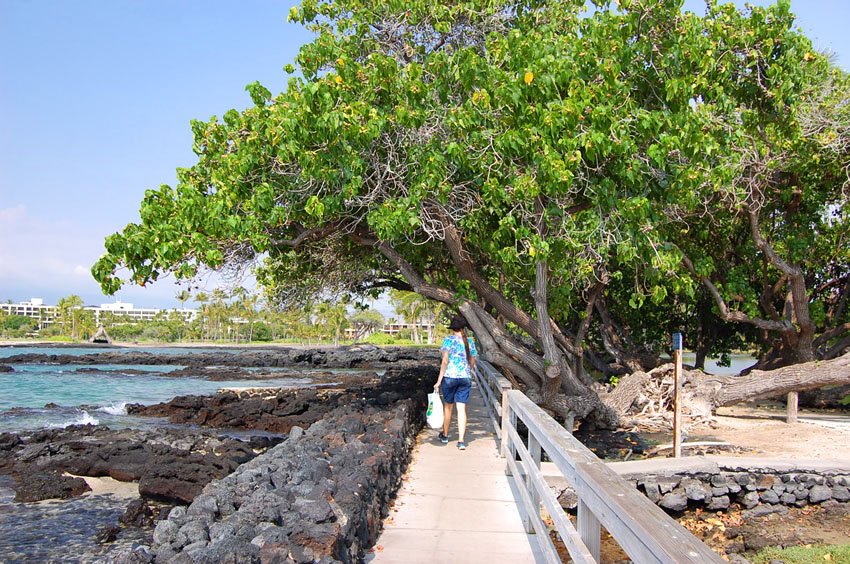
(531,164)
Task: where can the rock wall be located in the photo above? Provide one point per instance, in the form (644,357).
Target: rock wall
(320,496)
(717,483)
(717,492)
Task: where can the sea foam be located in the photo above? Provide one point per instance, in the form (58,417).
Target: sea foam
(114,408)
(82,419)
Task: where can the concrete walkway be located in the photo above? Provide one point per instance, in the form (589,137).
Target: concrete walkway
(456,506)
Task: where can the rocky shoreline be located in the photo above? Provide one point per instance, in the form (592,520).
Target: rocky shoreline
(308,480)
(354,356)
(320,496)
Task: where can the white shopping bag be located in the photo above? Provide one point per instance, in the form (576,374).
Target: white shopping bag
(434,415)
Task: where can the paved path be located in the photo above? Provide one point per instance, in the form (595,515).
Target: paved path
(837,421)
(456,506)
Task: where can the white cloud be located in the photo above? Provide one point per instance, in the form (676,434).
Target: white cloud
(11,214)
(50,259)
(81,271)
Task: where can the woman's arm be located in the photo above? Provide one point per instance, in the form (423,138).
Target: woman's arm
(443,365)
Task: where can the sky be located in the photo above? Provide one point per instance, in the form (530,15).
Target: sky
(96,98)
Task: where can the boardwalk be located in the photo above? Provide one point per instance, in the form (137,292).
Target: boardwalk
(456,506)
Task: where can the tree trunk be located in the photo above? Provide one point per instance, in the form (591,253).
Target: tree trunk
(499,347)
(617,345)
(706,393)
(721,391)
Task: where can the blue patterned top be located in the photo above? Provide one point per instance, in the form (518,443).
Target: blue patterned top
(457,366)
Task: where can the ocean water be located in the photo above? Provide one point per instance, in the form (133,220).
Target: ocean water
(12,350)
(738,362)
(37,396)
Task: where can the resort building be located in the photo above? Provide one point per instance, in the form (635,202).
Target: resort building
(47,314)
(127,311)
(34,308)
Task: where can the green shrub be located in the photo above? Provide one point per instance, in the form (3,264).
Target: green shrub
(262,332)
(19,323)
(805,554)
(381,339)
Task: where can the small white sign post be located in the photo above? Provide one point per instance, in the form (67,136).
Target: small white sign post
(677,407)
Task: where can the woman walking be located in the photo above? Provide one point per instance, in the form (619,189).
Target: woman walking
(455,381)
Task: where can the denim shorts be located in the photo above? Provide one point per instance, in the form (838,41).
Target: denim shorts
(456,390)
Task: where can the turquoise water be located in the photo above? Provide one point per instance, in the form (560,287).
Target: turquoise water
(99,398)
(99,394)
(739,362)
(7,351)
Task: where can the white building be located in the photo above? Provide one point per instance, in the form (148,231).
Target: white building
(34,308)
(126,310)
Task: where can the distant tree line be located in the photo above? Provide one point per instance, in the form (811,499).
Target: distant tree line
(241,316)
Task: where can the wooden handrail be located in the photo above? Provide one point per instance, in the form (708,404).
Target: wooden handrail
(492,386)
(640,527)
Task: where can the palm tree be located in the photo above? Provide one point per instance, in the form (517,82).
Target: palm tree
(218,309)
(202,298)
(68,307)
(413,307)
(182,296)
(246,306)
(333,317)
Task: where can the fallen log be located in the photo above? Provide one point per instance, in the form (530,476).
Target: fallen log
(721,391)
(643,400)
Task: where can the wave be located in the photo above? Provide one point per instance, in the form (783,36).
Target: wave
(114,408)
(82,419)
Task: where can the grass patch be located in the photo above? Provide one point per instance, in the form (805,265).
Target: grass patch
(837,554)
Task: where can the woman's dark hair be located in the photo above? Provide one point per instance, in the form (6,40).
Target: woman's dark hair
(458,323)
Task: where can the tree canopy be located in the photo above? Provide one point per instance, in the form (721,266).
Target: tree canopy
(576,179)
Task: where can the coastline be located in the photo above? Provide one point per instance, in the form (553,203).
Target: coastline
(208,438)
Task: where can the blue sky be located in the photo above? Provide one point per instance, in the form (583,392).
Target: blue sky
(95,103)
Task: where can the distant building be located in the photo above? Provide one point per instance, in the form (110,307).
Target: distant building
(392,329)
(46,314)
(34,308)
(127,311)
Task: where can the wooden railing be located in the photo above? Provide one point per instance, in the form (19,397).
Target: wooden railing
(641,528)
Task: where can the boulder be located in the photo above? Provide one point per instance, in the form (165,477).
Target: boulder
(35,484)
(819,493)
(674,501)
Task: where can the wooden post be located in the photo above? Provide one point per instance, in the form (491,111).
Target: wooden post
(677,405)
(590,530)
(536,456)
(791,414)
(508,421)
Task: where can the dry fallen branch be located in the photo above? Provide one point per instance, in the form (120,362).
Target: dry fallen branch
(644,401)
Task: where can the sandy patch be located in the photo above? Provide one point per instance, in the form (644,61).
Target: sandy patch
(765,432)
(106,485)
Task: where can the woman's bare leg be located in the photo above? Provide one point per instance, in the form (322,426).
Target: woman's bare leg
(447,417)
(461,421)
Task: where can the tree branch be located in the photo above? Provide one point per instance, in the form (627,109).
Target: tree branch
(733,315)
(416,281)
(305,235)
(487,330)
(554,366)
(836,331)
(800,298)
(467,270)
